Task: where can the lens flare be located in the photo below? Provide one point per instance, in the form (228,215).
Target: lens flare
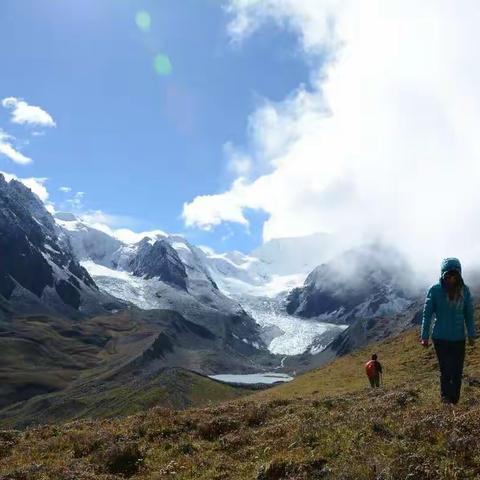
(162,65)
(143,21)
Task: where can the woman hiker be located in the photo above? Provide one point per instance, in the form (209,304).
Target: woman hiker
(451,302)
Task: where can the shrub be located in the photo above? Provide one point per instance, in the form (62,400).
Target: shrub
(120,458)
(213,429)
(280,470)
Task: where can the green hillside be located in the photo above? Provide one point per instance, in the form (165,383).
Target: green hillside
(325,424)
(170,387)
(54,370)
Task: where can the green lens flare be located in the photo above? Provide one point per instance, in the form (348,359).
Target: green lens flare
(162,65)
(143,21)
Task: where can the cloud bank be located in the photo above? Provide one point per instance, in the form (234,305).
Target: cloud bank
(384,144)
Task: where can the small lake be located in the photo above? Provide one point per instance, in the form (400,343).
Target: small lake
(252,378)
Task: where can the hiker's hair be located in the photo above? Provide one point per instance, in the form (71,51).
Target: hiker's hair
(455,294)
(374,356)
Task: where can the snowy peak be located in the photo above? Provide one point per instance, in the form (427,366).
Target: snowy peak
(88,243)
(159,260)
(167,258)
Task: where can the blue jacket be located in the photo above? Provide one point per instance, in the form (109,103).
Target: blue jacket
(450,318)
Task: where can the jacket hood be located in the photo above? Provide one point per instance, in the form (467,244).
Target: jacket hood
(451,264)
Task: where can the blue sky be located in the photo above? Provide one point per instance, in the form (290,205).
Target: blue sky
(139,144)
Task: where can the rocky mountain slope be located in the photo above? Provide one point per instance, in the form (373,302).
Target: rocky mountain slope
(38,271)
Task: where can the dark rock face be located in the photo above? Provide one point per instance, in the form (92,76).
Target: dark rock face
(366,282)
(33,254)
(159,260)
(68,293)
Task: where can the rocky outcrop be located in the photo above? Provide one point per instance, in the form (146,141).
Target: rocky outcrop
(159,260)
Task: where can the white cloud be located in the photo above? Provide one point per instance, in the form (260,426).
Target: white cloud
(101,218)
(385,143)
(23,113)
(14,155)
(128,236)
(110,224)
(207,211)
(7,149)
(107,223)
(311,19)
(76,201)
(238,162)
(65,189)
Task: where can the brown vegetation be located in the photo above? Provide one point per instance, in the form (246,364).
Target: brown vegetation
(326,424)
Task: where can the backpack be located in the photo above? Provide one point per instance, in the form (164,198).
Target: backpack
(371,368)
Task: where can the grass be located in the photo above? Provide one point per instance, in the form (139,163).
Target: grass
(169,387)
(53,369)
(326,424)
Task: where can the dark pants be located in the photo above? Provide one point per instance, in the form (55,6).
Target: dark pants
(375,380)
(451,355)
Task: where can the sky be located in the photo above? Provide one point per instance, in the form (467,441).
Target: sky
(268,119)
(140,105)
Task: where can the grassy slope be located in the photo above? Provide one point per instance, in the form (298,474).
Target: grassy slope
(77,365)
(170,387)
(44,354)
(325,424)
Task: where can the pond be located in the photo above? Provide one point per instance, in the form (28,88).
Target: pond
(253,378)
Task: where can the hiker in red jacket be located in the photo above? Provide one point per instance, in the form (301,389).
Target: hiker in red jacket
(373,369)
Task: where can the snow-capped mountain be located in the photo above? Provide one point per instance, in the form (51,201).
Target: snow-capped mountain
(366,282)
(86,241)
(38,270)
(276,266)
